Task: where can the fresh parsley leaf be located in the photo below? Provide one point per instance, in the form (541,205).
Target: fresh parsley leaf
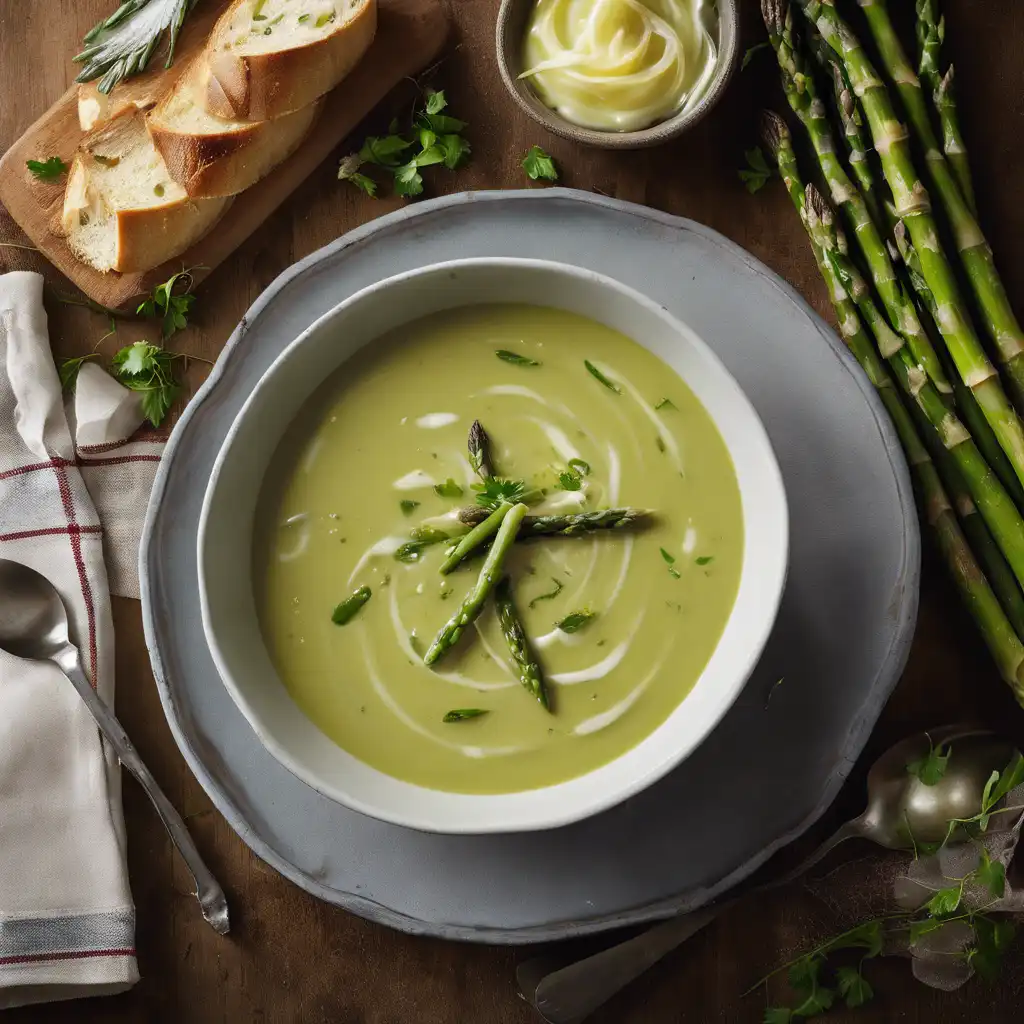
(384,150)
(579,466)
(173,310)
(946,901)
(752,52)
(408,181)
(408,506)
(435,154)
(463,714)
(515,358)
(440,124)
(598,375)
(449,489)
(435,101)
(853,987)
(931,768)
(363,182)
(559,587)
(347,610)
(149,370)
(570,480)
(757,172)
(665,403)
(47,170)
(539,164)
(814,997)
(491,492)
(456,150)
(576,621)
(705,559)
(990,873)
(68,370)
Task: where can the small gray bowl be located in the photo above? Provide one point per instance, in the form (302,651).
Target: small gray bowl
(511,32)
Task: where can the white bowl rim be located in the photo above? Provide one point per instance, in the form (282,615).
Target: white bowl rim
(571,813)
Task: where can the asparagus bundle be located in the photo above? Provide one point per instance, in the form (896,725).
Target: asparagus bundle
(565,525)
(966,442)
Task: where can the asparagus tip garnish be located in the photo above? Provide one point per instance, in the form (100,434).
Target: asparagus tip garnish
(479,455)
(774,131)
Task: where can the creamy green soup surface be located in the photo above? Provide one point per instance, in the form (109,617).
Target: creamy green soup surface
(360,470)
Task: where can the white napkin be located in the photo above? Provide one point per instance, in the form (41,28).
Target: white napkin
(67,922)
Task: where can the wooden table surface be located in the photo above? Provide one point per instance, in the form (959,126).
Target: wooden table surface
(292,958)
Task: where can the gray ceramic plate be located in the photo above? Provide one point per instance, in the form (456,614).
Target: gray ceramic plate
(768,770)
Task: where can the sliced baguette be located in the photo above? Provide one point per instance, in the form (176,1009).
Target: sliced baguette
(211,156)
(122,210)
(270,57)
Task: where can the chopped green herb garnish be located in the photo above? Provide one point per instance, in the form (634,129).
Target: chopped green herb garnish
(408,506)
(559,587)
(669,558)
(665,403)
(149,370)
(581,467)
(47,170)
(705,559)
(463,714)
(449,489)
(515,358)
(576,621)
(570,480)
(172,309)
(491,492)
(931,768)
(539,164)
(348,608)
(596,373)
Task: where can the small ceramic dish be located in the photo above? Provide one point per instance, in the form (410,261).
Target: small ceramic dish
(226,528)
(511,33)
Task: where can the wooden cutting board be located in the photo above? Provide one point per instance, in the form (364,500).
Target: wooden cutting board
(410,33)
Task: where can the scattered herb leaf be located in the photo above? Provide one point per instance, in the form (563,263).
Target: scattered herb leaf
(990,873)
(945,901)
(449,489)
(931,768)
(670,559)
(149,370)
(408,506)
(705,559)
(349,608)
(757,172)
(598,375)
(539,164)
(171,309)
(569,480)
(576,621)
(47,170)
(463,714)
(515,358)
(665,403)
(853,987)
(559,587)
(435,101)
(68,370)
(491,492)
(752,52)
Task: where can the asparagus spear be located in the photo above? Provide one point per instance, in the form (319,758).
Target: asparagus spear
(1003,643)
(473,602)
(801,93)
(963,397)
(479,451)
(913,205)
(914,209)
(565,525)
(529,671)
(995,505)
(484,529)
(931,32)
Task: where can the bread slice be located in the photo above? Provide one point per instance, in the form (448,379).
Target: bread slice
(122,210)
(211,156)
(270,57)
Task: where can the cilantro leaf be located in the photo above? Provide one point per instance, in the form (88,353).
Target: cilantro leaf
(172,309)
(47,170)
(497,489)
(757,172)
(752,52)
(384,150)
(990,873)
(931,768)
(559,587)
(570,480)
(539,164)
(157,401)
(149,370)
(68,370)
(435,101)
(853,987)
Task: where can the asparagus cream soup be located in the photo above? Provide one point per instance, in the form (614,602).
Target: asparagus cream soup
(497,549)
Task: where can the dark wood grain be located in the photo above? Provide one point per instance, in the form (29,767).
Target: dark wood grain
(291,958)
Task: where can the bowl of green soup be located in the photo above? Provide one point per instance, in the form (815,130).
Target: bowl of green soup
(492,546)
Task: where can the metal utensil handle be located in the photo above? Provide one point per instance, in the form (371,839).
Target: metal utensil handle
(208,892)
(569,995)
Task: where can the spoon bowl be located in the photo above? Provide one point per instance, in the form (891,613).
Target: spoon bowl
(33,621)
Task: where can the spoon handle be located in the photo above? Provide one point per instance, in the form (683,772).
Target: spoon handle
(210,895)
(570,995)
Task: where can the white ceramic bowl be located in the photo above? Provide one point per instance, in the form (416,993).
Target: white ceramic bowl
(226,526)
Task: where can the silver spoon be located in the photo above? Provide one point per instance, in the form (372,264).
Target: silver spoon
(34,625)
(901,810)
